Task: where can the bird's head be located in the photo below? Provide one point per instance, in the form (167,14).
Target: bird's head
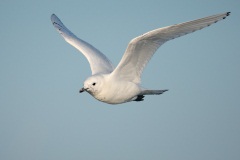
(92,85)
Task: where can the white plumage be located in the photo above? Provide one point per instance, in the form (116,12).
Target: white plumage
(122,84)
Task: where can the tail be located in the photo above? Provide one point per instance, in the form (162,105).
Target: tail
(150,92)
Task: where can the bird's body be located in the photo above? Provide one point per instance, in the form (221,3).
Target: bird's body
(116,91)
(122,84)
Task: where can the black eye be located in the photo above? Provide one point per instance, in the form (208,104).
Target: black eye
(94,84)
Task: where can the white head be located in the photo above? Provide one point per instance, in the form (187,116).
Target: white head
(92,85)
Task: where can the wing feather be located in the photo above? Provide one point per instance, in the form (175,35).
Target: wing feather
(99,63)
(141,49)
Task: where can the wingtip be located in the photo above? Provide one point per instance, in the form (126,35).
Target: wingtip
(56,20)
(227,14)
(53,17)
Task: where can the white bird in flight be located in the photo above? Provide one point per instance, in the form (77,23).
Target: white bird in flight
(122,84)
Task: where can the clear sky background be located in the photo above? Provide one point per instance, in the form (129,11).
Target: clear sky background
(43,117)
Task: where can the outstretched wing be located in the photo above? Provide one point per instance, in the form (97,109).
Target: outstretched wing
(141,49)
(99,63)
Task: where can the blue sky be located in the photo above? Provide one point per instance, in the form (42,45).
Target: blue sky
(42,115)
